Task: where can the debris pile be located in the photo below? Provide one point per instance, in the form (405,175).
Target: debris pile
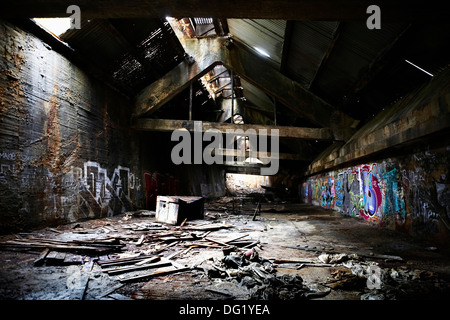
(259,276)
(107,255)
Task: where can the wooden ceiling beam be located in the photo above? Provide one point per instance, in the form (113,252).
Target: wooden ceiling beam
(306,10)
(169,125)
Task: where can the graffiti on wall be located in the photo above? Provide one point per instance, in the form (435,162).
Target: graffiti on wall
(99,192)
(364,190)
(411,193)
(422,190)
(393,202)
(82,192)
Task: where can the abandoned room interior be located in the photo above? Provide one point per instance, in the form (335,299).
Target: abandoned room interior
(206,150)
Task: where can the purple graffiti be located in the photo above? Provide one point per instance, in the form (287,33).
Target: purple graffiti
(371,191)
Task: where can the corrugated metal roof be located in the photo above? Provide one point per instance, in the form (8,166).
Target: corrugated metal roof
(260,33)
(309,44)
(355,50)
(92,39)
(256,96)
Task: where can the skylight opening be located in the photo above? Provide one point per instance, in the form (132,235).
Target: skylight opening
(55,26)
(262,52)
(423,70)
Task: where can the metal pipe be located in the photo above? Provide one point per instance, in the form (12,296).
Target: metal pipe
(190,102)
(275,111)
(232,97)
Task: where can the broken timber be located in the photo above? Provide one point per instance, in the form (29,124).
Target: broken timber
(124,261)
(61,246)
(117,270)
(154,274)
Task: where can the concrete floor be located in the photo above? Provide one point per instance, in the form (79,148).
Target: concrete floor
(293,232)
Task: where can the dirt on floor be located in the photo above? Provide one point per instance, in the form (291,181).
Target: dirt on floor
(286,251)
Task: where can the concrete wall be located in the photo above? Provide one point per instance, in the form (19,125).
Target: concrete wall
(245,184)
(66,150)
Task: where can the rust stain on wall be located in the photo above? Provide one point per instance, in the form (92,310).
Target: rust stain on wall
(52,159)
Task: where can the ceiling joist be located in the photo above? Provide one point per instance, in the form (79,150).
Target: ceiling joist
(168,125)
(306,10)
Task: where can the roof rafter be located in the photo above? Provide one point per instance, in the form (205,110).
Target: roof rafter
(207,53)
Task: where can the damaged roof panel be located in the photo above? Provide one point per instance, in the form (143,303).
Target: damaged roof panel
(134,53)
(309,44)
(353,54)
(267,35)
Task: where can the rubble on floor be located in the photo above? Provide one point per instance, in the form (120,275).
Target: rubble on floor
(257,274)
(116,258)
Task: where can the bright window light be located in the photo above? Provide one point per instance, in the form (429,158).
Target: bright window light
(419,68)
(56,26)
(262,52)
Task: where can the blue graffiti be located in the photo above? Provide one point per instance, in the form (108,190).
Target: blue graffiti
(392,202)
(339,188)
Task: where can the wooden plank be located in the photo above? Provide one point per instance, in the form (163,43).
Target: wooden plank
(237,238)
(93,248)
(154,274)
(51,255)
(40,260)
(173,238)
(119,270)
(254,243)
(125,261)
(152,259)
(226,241)
(140,241)
(217,241)
(294,261)
(207,227)
(246,228)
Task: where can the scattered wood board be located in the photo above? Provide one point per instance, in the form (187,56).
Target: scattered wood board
(125,261)
(154,274)
(206,227)
(41,259)
(118,270)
